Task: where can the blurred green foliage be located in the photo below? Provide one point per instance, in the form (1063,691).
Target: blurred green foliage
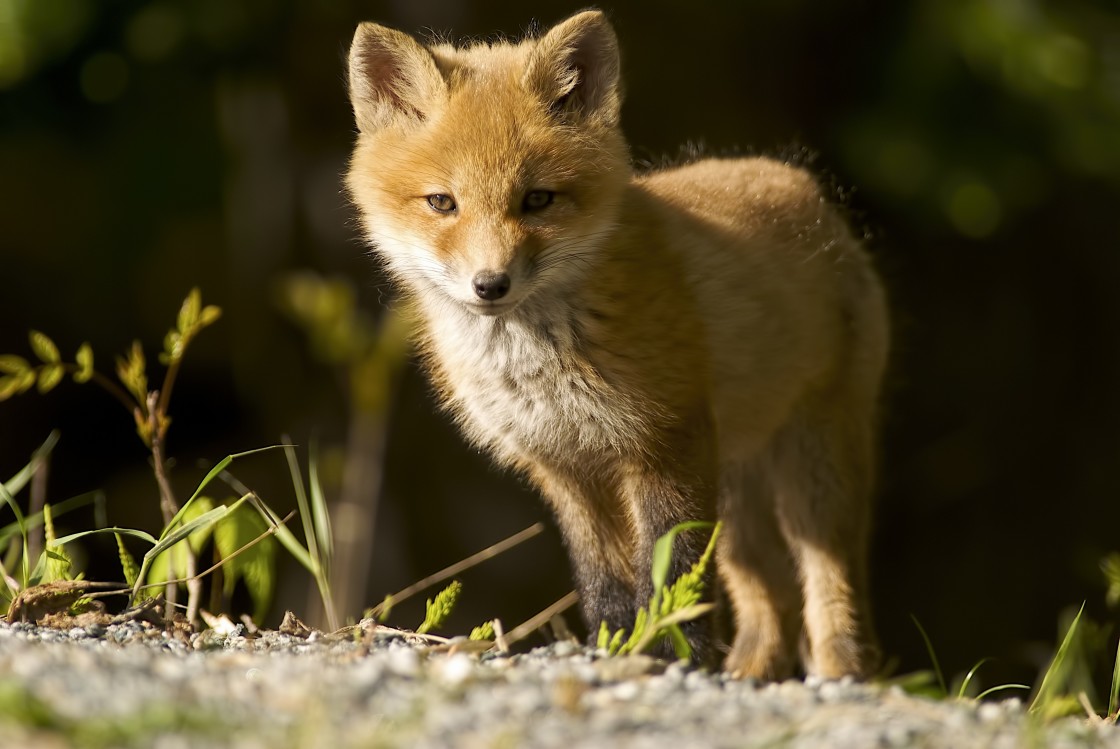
(987,105)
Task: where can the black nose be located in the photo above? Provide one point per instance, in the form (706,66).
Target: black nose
(490,285)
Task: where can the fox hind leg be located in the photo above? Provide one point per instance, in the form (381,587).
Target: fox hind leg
(758,577)
(823,476)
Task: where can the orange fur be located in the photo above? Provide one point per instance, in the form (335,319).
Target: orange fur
(698,342)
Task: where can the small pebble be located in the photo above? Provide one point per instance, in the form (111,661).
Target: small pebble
(453,670)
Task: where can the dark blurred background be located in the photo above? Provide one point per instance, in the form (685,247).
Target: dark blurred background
(148,147)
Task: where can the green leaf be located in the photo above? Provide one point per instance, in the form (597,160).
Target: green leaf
(663,555)
(9,386)
(167,560)
(131,371)
(25,381)
(49,377)
(128,562)
(641,623)
(59,564)
(188,313)
(209,316)
(84,359)
(484,631)
(604,639)
(172,349)
(44,347)
(616,642)
(438,610)
(13,365)
(255,565)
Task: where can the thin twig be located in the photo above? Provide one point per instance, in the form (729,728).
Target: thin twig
(169,378)
(167,504)
(447,572)
(108,385)
(523,630)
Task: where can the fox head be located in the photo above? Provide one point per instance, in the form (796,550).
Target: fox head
(488,175)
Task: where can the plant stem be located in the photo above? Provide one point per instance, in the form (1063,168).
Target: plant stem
(169,507)
(110,387)
(171,374)
(35,538)
(354,515)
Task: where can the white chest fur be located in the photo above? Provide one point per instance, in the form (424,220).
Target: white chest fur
(524,385)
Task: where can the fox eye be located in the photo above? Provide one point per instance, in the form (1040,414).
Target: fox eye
(442,203)
(535,200)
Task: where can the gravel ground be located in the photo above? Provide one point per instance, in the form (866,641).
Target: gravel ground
(131,685)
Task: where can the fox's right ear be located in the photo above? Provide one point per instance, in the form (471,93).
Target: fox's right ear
(575,69)
(391,77)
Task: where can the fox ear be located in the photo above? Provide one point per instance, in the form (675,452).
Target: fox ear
(575,69)
(391,77)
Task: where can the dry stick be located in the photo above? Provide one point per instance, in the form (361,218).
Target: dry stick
(523,630)
(455,569)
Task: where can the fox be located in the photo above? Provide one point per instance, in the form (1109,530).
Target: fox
(698,342)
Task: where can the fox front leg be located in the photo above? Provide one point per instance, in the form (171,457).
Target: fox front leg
(593,524)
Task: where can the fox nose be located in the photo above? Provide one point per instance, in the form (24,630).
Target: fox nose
(490,285)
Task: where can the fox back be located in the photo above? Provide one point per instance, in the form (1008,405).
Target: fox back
(700,342)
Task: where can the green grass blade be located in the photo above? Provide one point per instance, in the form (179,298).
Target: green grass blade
(318,552)
(1050,680)
(968,677)
(21,521)
(181,533)
(304,508)
(204,520)
(932,656)
(681,648)
(604,639)
(34,521)
(1000,688)
(25,571)
(15,484)
(123,531)
(320,512)
(1114,690)
(287,539)
(663,556)
(213,474)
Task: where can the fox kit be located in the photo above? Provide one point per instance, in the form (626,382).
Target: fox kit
(700,342)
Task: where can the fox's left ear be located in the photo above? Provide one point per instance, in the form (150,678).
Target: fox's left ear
(575,69)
